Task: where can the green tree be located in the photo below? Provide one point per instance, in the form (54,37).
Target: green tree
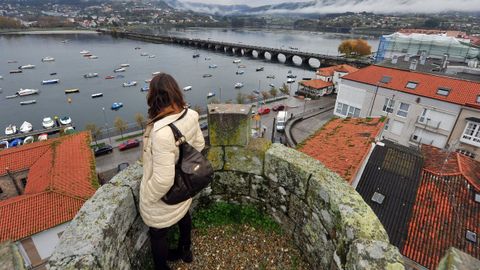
(140,119)
(120,125)
(273,92)
(94,131)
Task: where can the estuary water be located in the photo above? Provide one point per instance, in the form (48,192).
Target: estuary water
(70,66)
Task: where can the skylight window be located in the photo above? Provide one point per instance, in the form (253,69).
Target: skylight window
(386,79)
(378,197)
(471,236)
(442,91)
(411,85)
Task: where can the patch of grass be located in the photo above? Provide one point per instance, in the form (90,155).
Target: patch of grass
(129,137)
(220,214)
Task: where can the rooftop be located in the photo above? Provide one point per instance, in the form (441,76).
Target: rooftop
(442,88)
(329,71)
(347,141)
(60,180)
(316,84)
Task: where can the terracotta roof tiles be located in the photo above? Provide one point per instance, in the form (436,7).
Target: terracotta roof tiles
(316,84)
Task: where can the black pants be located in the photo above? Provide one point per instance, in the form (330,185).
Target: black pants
(158,240)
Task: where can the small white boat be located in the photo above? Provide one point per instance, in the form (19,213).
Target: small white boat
(13,71)
(144,54)
(151,56)
(196,55)
(240,72)
(48,59)
(97,95)
(270,76)
(129,84)
(272,85)
(117,105)
(210,94)
(11,96)
(26,92)
(28,140)
(238,85)
(145,88)
(124,65)
(72,90)
(148,80)
(259,69)
(26,127)
(1,77)
(119,70)
(65,120)
(29,66)
(84,52)
(93,57)
(48,122)
(187,88)
(90,75)
(207,75)
(236,61)
(10,129)
(52,81)
(3,144)
(156,73)
(212,66)
(43,137)
(28,102)
(290,80)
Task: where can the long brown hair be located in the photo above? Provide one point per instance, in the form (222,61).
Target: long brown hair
(164,92)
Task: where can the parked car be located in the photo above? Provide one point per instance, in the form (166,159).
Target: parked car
(129,144)
(103,150)
(278,107)
(264,110)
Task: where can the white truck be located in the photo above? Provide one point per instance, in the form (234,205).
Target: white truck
(281,120)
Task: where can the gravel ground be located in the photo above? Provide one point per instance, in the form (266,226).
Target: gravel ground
(241,247)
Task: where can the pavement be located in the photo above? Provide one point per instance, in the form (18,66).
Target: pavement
(300,131)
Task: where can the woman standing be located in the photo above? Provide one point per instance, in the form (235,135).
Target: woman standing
(160,154)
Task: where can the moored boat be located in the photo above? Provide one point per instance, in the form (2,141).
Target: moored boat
(28,140)
(93,57)
(48,59)
(259,69)
(3,144)
(52,81)
(25,127)
(15,142)
(240,72)
(29,66)
(270,76)
(43,137)
(109,77)
(207,75)
(124,65)
(242,66)
(195,55)
(148,80)
(144,54)
(84,52)
(212,66)
(291,76)
(90,75)
(137,48)
(27,92)
(119,70)
(236,61)
(238,85)
(15,71)
(10,129)
(53,73)
(12,61)
(120,76)
(97,95)
(210,94)
(151,56)
(11,96)
(65,120)
(290,80)
(48,122)
(73,90)
(156,73)
(117,105)
(272,85)
(129,84)
(187,88)
(28,102)
(145,88)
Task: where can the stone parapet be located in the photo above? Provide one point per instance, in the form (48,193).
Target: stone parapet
(10,258)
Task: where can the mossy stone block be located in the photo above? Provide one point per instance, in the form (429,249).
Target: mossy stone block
(229,124)
(215,156)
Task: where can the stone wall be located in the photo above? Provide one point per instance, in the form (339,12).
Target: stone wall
(328,220)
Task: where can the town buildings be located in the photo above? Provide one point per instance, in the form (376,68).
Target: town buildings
(326,81)
(420,108)
(42,187)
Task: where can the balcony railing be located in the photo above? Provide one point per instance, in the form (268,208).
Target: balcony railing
(427,122)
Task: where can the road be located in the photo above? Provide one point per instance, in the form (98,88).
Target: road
(295,106)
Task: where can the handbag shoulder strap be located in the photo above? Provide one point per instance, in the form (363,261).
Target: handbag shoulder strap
(179,138)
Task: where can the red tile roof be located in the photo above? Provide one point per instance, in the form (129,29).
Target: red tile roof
(462,92)
(59,182)
(21,158)
(329,71)
(316,84)
(347,142)
(444,208)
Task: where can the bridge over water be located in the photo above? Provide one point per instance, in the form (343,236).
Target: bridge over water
(241,49)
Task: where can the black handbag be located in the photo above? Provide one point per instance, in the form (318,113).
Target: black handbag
(193,171)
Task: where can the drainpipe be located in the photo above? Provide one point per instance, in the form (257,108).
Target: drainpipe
(454,125)
(373,102)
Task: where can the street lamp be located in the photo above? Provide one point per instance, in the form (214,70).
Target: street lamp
(106,124)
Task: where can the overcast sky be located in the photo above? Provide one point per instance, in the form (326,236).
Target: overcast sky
(247,2)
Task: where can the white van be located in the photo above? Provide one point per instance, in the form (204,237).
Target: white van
(281,120)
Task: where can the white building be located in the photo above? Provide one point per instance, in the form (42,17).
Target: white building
(420,108)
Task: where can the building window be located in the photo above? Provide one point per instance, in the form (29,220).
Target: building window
(403,109)
(442,91)
(346,110)
(1,190)
(388,106)
(472,132)
(411,85)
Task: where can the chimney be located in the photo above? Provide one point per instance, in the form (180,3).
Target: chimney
(423,57)
(413,64)
(445,61)
(406,58)
(394,59)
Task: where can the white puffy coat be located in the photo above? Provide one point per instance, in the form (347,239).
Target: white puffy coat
(159,157)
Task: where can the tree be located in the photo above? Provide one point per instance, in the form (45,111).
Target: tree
(251,98)
(94,131)
(284,89)
(120,125)
(140,119)
(265,95)
(240,98)
(357,47)
(273,92)
(8,23)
